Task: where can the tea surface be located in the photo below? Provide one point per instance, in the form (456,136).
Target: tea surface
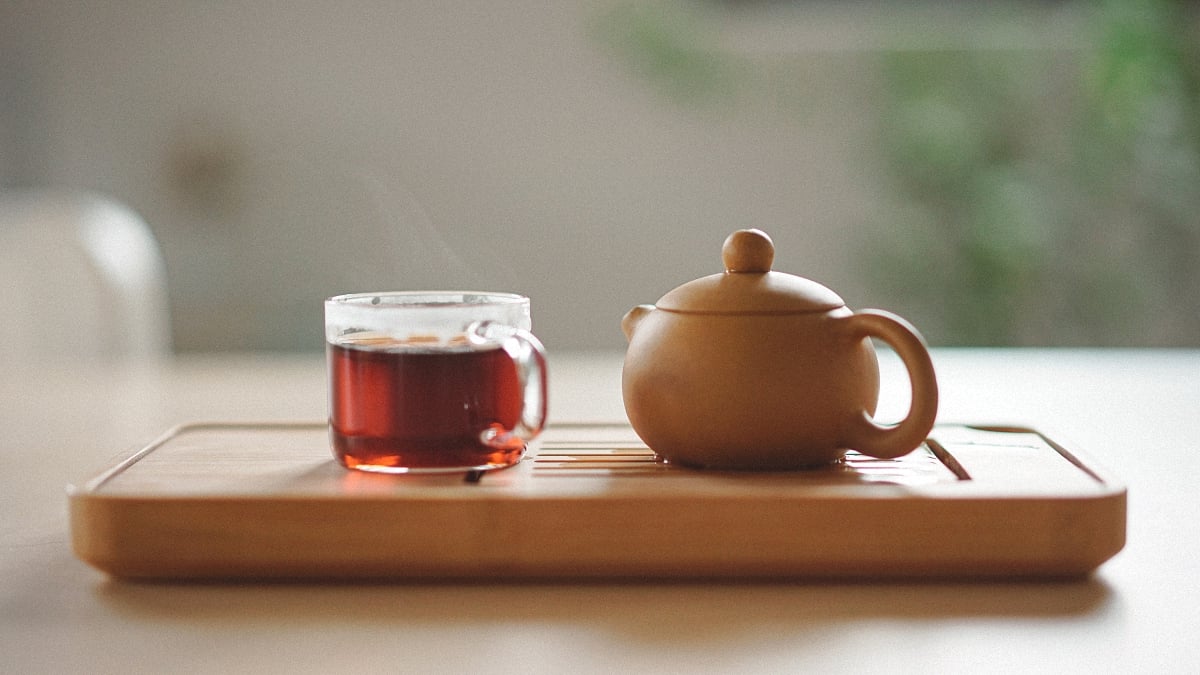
(396,407)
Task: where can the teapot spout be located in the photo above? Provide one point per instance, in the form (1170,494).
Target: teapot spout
(632,318)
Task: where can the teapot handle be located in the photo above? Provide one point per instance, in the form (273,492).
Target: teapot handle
(886,442)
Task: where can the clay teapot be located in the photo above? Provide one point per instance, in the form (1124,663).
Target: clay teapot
(756,369)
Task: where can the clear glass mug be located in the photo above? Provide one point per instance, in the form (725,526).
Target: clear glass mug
(432,381)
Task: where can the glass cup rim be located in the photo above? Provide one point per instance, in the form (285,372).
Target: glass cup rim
(437,299)
(404,314)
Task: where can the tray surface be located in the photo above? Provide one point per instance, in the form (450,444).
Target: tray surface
(232,500)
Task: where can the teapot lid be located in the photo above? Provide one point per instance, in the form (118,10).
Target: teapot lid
(748,286)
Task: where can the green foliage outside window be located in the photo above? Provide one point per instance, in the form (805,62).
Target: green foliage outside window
(1045,195)
(1050,197)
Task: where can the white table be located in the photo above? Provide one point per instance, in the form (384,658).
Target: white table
(1135,411)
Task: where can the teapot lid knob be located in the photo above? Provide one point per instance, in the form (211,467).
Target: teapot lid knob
(748,251)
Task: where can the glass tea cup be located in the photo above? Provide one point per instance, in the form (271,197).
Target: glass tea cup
(432,381)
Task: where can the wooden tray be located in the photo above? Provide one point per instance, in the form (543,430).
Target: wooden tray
(226,501)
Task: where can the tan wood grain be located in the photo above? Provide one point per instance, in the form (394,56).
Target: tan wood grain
(219,501)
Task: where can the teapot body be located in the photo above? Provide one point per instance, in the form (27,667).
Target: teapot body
(769,391)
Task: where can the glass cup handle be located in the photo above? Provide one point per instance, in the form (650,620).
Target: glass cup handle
(529,357)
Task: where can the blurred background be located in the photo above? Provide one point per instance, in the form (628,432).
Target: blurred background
(1013,173)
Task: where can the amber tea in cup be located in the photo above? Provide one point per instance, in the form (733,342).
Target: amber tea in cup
(432,381)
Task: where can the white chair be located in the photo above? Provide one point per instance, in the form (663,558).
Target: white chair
(81,277)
